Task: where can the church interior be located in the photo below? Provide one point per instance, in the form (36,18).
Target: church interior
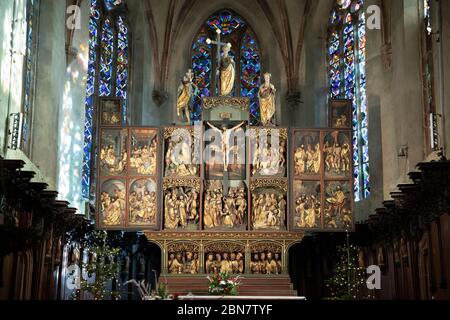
(150,149)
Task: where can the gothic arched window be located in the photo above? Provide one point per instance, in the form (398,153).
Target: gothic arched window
(32,15)
(245,50)
(347,76)
(428,67)
(108,67)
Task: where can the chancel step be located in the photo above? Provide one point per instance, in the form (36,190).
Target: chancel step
(251,285)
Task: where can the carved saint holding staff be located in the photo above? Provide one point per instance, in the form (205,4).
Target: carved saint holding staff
(186,92)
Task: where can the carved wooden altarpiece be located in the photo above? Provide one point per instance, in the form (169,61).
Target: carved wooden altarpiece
(241,209)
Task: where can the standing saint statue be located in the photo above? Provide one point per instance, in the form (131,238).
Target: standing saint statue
(266,97)
(186,91)
(227,72)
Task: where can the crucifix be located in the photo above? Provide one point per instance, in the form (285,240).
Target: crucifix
(219,45)
(227,149)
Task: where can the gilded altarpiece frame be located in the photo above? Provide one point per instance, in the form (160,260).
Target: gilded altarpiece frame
(182,176)
(128,175)
(185,248)
(322,180)
(247,244)
(268,168)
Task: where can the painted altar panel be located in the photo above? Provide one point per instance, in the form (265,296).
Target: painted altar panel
(338,213)
(337,155)
(340,114)
(111,111)
(112,203)
(307,207)
(129,181)
(144,152)
(322,180)
(113,152)
(142,202)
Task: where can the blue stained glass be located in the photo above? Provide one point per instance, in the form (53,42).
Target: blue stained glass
(347,56)
(106,59)
(31,8)
(103,46)
(235,30)
(348,28)
(226,22)
(202,68)
(122,63)
(357,185)
(90,91)
(251,73)
(334,47)
(112,4)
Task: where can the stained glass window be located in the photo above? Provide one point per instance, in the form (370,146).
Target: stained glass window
(30,63)
(432,132)
(108,68)
(245,51)
(347,80)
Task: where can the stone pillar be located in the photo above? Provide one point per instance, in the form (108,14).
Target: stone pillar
(50,81)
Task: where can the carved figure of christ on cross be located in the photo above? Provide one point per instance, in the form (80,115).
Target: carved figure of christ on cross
(225,146)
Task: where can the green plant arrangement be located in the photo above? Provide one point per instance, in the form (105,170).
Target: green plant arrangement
(221,284)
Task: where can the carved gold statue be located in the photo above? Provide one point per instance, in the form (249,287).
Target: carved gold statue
(307,211)
(254,265)
(142,207)
(143,159)
(269,160)
(113,208)
(271,265)
(186,92)
(209,264)
(266,263)
(227,71)
(180,159)
(266,96)
(268,211)
(307,160)
(180,208)
(337,213)
(231,263)
(183,263)
(110,162)
(337,157)
(224,211)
